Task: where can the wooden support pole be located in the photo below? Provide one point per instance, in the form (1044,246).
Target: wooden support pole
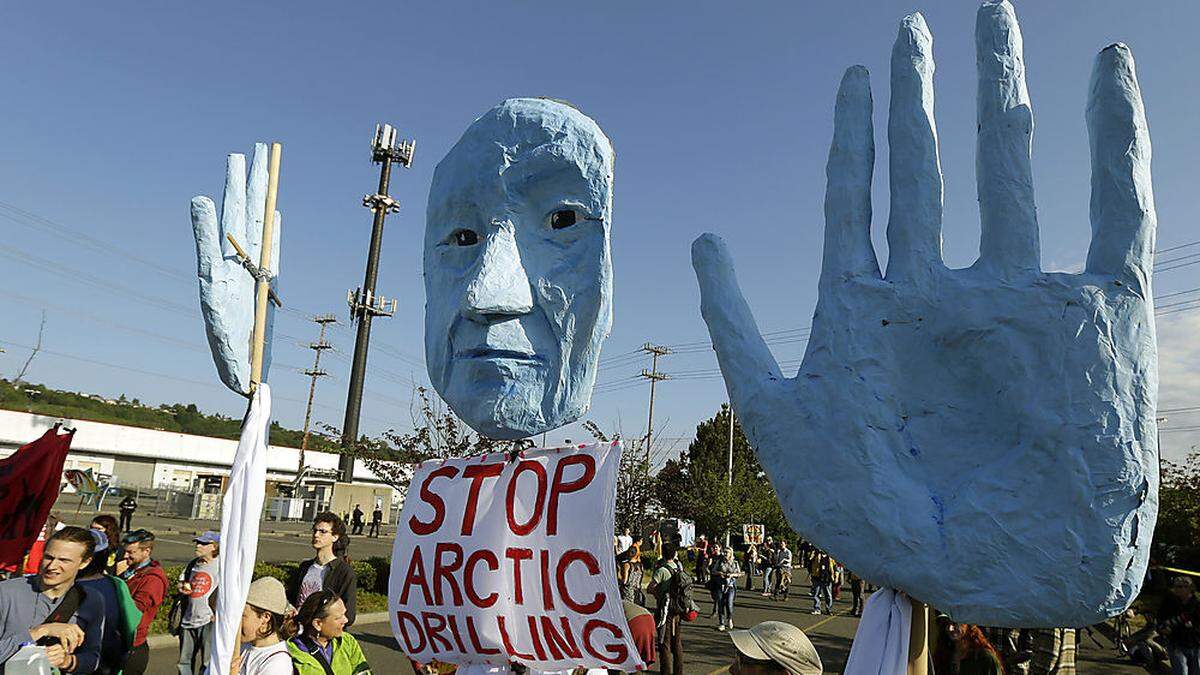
(263,287)
(918,639)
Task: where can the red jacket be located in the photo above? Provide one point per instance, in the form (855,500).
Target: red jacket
(148,586)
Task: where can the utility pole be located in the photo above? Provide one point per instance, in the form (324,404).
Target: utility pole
(364,304)
(729,464)
(654,376)
(316,371)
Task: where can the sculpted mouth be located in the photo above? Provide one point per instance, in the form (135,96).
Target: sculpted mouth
(490,353)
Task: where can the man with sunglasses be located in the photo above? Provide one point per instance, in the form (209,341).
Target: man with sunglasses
(328,569)
(148,585)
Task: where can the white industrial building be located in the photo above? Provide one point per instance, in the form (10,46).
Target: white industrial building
(149,459)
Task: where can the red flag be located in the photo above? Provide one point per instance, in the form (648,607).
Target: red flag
(29,484)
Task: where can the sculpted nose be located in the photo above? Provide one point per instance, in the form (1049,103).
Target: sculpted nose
(500,286)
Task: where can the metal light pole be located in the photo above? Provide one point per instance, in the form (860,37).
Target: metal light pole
(729,464)
(364,305)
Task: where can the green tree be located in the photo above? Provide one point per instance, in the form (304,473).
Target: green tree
(696,485)
(1177,534)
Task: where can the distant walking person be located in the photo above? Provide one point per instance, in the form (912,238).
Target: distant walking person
(356,520)
(127,506)
(376,521)
(197,587)
(328,570)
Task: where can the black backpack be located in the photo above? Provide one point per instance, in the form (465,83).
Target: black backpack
(680,594)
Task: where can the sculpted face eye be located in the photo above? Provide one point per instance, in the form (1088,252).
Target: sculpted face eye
(563,218)
(466,238)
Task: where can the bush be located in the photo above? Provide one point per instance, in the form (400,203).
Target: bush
(367,577)
(649,560)
(383,568)
(284,572)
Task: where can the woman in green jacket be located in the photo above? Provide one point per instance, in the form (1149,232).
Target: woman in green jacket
(323,647)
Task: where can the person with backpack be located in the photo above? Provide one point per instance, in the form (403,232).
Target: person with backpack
(267,624)
(197,590)
(148,587)
(50,610)
(121,615)
(671,587)
(323,647)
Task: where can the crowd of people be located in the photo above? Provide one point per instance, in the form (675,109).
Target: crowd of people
(89,596)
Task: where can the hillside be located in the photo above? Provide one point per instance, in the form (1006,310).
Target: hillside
(184,418)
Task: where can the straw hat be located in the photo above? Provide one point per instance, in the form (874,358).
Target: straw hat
(268,593)
(780,642)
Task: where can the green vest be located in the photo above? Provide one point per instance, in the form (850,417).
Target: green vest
(347,658)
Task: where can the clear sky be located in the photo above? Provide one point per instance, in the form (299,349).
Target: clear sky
(116,114)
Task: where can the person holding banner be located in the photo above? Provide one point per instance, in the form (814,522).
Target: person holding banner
(323,647)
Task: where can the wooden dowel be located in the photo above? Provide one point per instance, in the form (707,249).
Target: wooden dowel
(264,263)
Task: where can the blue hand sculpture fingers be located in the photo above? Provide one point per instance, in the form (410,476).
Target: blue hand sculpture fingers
(1008,218)
(256,201)
(1122,205)
(208,236)
(746,362)
(848,250)
(233,205)
(915,222)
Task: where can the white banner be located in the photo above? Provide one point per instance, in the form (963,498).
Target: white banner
(241,509)
(500,559)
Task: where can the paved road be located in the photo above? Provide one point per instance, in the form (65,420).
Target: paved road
(706,649)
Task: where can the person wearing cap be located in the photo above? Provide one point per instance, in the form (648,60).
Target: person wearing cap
(268,622)
(197,586)
(774,647)
(1178,621)
(148,586)
(121,615)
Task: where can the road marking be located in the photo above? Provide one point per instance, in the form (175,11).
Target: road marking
(822,622)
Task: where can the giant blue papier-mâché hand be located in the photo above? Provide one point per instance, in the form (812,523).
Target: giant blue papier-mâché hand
(981,438)
(226,286)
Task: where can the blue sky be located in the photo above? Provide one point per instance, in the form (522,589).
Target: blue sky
(115,115)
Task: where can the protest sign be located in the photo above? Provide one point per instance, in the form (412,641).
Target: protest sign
(753,534)
(504,559)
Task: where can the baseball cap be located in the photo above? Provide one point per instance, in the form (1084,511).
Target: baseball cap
(780,642)
(208,537)
(268,593)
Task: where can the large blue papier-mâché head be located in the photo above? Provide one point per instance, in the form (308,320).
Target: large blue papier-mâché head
(518,272)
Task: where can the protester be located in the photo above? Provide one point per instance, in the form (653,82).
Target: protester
(33,561)
(774,647)
(356,520)
(782,561)
(323,647)
(664,586)
(148,586)
(1054,653)
(268,622)
(821,574)
(963,650)
(376,521)
(121,616)
(127,506)
(1013,646)
(112,534)
(1178,622)
(327,570)
(714,586)
(624,541)
(51,610)
(701,560)
(642,631)
(629,569)
(197,587)
(768,566)
(751,557)
(856,592)
(726,572)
